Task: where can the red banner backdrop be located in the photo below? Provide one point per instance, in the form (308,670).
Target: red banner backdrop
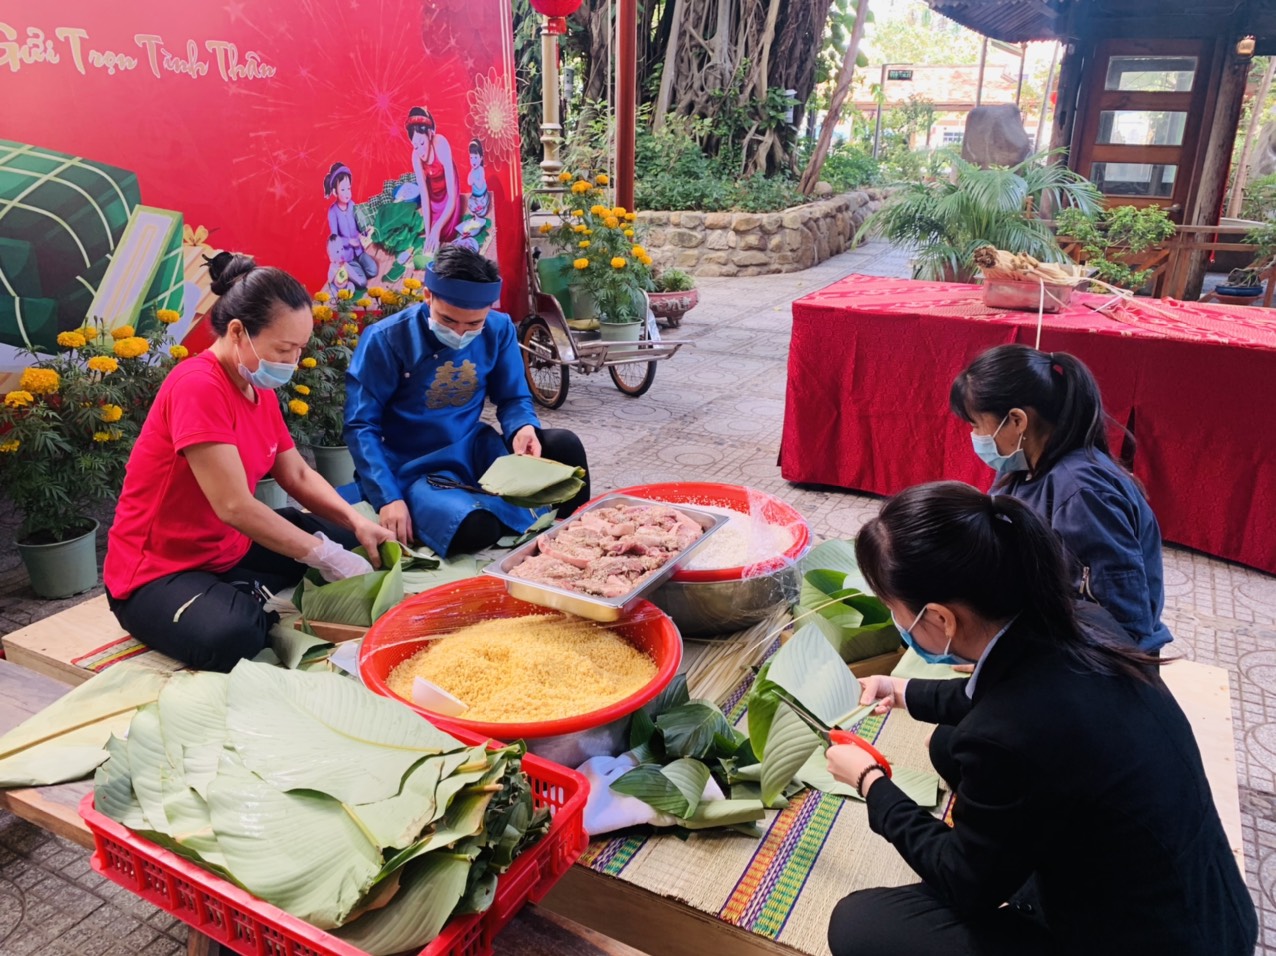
(342,140)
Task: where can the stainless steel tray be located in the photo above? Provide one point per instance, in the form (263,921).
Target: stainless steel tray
(605,610)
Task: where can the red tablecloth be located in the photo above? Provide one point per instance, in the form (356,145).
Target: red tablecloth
(872,361)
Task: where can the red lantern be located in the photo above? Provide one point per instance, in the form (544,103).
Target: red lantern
(557,11)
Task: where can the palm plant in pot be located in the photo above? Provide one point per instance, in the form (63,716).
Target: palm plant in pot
(611,269)
(674,294)
(946,221)
(65,436)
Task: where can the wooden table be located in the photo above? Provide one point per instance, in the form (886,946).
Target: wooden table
(533,932)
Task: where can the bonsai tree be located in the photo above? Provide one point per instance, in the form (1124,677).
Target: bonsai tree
(1112,240)
(947,221)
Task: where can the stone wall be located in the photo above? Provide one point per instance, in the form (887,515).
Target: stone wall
(750,244)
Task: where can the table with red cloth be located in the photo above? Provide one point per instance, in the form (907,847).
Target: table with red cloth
(872,361)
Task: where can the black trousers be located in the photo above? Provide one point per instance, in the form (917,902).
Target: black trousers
(482,529)
(914,921)
(212,621)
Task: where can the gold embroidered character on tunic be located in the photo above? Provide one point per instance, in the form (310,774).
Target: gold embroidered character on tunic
(452,387)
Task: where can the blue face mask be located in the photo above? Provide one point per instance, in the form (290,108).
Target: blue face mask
(986,449)
(269,375)
(452,339)
(930,657)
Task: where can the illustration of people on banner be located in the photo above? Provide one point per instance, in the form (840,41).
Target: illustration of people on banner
(397,232)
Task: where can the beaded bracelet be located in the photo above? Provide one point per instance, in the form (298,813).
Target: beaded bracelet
(859,784)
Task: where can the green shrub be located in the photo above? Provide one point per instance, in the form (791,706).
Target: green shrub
(848,167)
(674,280)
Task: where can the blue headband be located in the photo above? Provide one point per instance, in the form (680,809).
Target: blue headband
(462,293)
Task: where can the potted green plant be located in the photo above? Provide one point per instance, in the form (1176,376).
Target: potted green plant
(1117,242)
(65,436)
(674,294)
(946,221)
(314,402)
(611,269)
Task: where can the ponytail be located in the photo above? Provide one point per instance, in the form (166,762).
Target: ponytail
(947,542)
(1055,385)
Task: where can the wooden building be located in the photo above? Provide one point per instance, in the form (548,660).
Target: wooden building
(1149,91)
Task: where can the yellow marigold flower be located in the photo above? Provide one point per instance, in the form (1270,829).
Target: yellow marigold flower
(301,389)
(354,341)
(376,291)
(111,413)
(123,332)
(132,347)
(618,263)
(106,365)
(9,447)
(584,244)
(344,294)
(19,398)
(179,352)
(581,263)
(599,210)
(101,437)
(168,316)
(72,340)
(629,233)
(578,213)
(611,222)
(580,187)
(546,229)
(630,216)
(364,303)
(602,179)
(322,313)
(412,284)
(322,297)
(578,228)
(618,212)
(39,381)
(298,407)
(646,260)
(308,362)
(639,252)
(588,232)
(566,177)
(350,329)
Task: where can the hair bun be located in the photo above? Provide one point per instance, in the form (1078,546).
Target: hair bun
(227,268)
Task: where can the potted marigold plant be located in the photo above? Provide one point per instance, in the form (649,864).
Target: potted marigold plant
(611,269)
(65,436)
(314,402)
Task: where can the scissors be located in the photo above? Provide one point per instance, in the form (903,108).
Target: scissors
(831,735)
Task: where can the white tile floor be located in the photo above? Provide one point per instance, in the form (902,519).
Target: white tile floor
(715,413)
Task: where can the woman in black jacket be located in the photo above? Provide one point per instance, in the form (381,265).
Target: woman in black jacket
(1075,771)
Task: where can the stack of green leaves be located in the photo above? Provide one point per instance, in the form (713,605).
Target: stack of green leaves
(314,794)
(835,599)
(679,743)
(791,754)
(529,482)
(360,600)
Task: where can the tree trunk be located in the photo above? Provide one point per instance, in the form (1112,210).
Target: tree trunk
(670,71)
(840,92)
(1255,116)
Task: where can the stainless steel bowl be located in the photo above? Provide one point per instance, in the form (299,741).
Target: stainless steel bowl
(715,608)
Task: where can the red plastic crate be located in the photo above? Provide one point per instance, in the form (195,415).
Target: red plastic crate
(252,927)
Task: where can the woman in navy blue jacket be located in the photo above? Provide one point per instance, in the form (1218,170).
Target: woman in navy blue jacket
(1081,800)
(1038,422)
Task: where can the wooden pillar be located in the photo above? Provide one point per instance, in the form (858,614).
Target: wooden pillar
(1215,162)
(626,100)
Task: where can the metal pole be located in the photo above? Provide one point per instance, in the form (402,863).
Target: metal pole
(1023,57)
(983,59)
(881,105)
(627,100)
(551,125)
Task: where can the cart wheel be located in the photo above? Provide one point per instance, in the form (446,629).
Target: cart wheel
(635,378)
(546,379)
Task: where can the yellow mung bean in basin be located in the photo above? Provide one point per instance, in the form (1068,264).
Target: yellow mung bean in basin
(526,669)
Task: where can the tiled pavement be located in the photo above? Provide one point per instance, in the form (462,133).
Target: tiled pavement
(714,413)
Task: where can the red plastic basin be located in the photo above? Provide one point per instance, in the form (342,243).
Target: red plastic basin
(404,630)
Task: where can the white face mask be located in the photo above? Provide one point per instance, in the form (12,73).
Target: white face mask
(451,338)
(268,375)
(986,448)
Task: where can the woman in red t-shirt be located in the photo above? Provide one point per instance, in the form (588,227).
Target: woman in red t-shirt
(192,556)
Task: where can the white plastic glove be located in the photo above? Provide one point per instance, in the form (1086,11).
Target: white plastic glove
(333,561)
